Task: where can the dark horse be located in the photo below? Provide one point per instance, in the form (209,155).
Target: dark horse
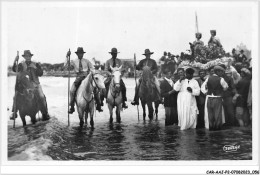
(148,93)
(26,98)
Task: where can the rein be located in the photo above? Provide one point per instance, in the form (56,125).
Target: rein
(88,101)
(112,88)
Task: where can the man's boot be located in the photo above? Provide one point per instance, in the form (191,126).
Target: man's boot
(13,115)
(72,109)
(45,117)
(136,99)
(99,107)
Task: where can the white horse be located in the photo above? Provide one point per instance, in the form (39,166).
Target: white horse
(114,96)
(85,96)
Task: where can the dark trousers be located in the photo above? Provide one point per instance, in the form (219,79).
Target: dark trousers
(171,116)
(200,120)
(214,106)
(229,110)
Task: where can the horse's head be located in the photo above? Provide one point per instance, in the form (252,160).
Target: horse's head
(116,75)
(147,73)
(25,87)
(98,80)
(147,86)
(23,83)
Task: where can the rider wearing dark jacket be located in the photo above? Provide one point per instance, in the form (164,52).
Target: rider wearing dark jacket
(34,71)
(147,62)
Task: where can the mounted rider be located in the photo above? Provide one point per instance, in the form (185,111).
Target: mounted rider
(82,67)
(147,62)
(115,62)
(34,71)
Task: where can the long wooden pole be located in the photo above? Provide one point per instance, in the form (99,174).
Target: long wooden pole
(196,23)
(136,83)
(68,59)
(16,70)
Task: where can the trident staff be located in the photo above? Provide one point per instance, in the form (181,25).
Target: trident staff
(68,61)
(16,70)
(136,83)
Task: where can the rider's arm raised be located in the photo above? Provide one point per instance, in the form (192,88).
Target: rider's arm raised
(20,67)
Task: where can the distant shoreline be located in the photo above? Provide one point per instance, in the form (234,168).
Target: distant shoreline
(49,74)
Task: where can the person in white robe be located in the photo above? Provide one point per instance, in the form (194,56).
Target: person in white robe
(186,102)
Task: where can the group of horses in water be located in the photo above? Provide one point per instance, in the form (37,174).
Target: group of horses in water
(27,104)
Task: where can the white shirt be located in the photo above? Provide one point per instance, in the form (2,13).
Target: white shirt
(169,81)
(222,82)
(86,65)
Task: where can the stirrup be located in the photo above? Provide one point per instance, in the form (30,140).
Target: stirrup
(134,103)
(124,105)
(99,109)
(71,110)
(46,117)
(13,115)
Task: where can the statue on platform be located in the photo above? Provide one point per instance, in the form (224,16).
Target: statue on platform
(214,41)
(215,49)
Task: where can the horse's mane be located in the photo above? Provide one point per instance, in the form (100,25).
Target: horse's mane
(87,81)
(111,86)
(146,91)
(23,82)
(147,74)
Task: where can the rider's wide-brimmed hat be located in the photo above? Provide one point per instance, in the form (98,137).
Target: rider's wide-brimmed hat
(114,50)
(147,52)
(198,34)
(213,31)
(27,53)
(80,50)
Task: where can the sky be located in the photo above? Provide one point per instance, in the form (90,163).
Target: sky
(49,29)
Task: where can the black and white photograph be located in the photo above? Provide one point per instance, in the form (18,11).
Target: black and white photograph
(147,87)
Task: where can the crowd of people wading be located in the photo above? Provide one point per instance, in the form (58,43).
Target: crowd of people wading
(220,93)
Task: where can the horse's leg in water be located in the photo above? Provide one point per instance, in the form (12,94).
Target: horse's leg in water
(91,109)
(81,114)
(86,117)
(118,118)
(156,105)
(33,118)
(143,105)
(111,112)
(150,109)
(23,119)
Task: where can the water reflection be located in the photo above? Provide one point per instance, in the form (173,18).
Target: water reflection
(129,140)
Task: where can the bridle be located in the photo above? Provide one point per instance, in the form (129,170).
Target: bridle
(114,92)
(96,86)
